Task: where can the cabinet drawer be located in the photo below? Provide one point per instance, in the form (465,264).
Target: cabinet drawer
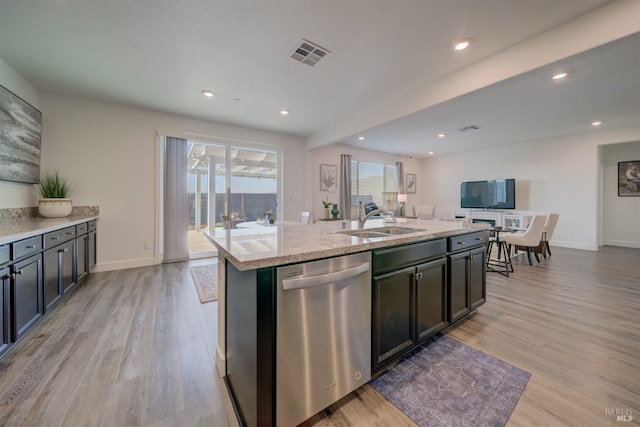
(54,238)
(5,254)
(27,247)
(385,260)
(466,241)
(92,225)
(82,228)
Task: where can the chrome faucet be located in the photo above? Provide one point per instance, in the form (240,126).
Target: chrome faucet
(362,218)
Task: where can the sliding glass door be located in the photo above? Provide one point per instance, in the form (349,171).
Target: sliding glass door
(229,186)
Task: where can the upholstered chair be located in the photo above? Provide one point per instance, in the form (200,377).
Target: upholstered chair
(549,228)
(424,211)
(530,239)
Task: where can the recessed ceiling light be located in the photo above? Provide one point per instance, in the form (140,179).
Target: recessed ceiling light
(559,76)
(461,44)
(284,112)
(596,123)
(431,153)
(361,138)
(442,135)
(208,93)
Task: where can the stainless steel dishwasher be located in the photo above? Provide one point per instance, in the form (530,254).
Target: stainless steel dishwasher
(323,334)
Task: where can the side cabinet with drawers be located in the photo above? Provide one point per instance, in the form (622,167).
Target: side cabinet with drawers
(36,272)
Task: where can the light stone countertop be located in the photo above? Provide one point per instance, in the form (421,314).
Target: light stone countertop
(267,246)
(12,230)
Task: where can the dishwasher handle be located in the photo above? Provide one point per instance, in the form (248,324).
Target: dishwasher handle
(323,279)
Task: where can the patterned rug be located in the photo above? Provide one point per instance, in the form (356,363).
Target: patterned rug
(205,278)
(447,383)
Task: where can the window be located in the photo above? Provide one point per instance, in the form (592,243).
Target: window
(370,180)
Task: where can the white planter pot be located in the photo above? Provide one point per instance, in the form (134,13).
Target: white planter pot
(54,208)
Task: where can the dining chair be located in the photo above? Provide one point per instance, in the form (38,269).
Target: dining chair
(549,228)
(304,217)
(529,240)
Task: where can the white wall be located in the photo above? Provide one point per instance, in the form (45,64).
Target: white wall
(109,152)
(16,194)
(555,175)
(330,154)
(621,223)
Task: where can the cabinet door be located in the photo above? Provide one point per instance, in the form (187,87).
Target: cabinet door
(393,318)
(431,298)
(5,337)
(92,243)
(26,295)
(52,288)
(477,277)
(81,256)
(67,276)
(458,289)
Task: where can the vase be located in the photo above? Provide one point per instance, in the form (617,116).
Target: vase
(326,212)
(335,211)
(54,208)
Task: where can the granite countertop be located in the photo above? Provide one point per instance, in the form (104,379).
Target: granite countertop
(267,246)
(13,229)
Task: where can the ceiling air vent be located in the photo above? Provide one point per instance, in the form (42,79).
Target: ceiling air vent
(308,53)
(469,128)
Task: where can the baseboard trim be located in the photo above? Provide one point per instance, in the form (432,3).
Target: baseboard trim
(574,245)
(622,243)
(121,265)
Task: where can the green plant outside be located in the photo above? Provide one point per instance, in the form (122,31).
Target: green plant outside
(54,186)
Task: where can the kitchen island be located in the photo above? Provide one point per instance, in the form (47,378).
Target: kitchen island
(417,283)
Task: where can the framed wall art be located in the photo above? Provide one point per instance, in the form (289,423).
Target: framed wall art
(629,178)
(328,177)
(411,183)
(20,133)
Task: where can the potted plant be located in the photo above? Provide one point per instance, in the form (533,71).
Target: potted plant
(327,205)
(54,190)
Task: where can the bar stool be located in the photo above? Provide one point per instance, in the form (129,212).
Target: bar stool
(499,265)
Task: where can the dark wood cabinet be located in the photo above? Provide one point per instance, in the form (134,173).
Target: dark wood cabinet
(467,274)
(393,317)
(409,298)
(36,272)
(431,298)
(92,242)
(5,318)
(26,295)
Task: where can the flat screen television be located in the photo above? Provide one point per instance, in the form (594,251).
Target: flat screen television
(493,194)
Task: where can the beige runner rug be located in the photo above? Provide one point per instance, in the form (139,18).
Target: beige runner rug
(205,278)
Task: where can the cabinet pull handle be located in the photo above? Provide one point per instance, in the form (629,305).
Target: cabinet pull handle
(30,247)
(478,238)
(461,243)
(70,233)
(55,238)
(65,250)
(17,273)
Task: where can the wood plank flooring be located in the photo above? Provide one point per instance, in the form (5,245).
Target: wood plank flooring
(136,348)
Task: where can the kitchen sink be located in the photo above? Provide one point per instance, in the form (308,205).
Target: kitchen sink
(369,233)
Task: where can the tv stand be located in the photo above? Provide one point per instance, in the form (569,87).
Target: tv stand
(497,218)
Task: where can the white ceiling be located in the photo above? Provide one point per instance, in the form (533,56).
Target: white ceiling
(389,59)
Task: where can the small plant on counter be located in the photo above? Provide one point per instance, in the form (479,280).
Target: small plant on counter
(52,185)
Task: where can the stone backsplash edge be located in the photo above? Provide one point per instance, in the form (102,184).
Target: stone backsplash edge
(32,212)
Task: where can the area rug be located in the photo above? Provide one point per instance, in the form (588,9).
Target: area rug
(447,383)
(205,278)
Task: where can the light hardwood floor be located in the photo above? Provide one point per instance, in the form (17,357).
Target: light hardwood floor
(136,348)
